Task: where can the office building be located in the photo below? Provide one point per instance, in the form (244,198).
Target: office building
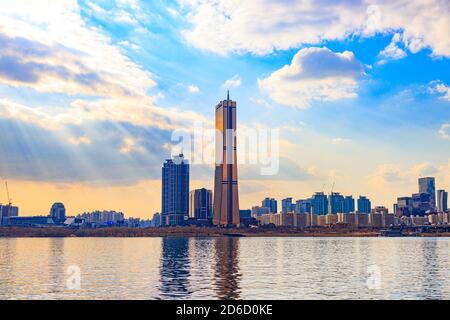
(427,185)
(421,204)
(364,205)
(442,201)
(58,213)
(270,203)
(200,204)
(287,205)
(175,191)
(226,197)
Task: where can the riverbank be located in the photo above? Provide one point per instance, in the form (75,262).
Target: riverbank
(14,232)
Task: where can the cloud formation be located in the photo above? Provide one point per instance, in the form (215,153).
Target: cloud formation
(263,26)
(234,82)
(314,74)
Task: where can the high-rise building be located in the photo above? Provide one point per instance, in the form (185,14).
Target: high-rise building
(404,206)
(421,204)
(200,204)
(6,210)
(442,201)
(427,185)
(364,205)
(287,205)
(319,203)
(175,191)
(58,212)
(335,203)
(270,203)
(349,204)
(302,206)
(226,198)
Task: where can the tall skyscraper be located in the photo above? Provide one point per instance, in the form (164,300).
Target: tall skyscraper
(226,198)
(200,204)
(442,201)
(364,205)
(287,206)
(175,191)
(58,212)
(270,203)
(427,185)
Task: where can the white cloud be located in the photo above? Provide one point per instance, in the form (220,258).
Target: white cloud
(80,140)
(440,88)
(262,26)
(130,145)
(388,174)
(340,140)
(234,82)
(444,131)
(392,51)
(314,74)
(193,89)
(50,48)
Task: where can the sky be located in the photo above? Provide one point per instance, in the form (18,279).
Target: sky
(92,92)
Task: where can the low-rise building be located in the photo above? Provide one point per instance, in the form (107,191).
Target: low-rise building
(362,220)
(376,220)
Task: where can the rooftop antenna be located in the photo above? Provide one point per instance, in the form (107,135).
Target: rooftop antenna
(228,94)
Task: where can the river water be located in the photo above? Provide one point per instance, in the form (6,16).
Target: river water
(225,268)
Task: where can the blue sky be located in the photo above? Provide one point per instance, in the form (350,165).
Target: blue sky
(91,91)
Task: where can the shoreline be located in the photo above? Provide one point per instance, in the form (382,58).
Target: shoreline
(60,232)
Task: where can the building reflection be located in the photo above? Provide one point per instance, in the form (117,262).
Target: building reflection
(227,276)
(174,268)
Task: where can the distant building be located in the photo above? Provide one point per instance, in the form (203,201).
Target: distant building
(380,209)
(349,204)
(287,205)
(103,218)
(37,221)
(427,185)
(200,204)
(442,201)
(376,220)
(302,206)
(404,206)
(364,204)
(270,203)
(58,213)
(5,210)
(156,220)
(319,203)
(259,211)
(362,220)
(175,191)
(422,204)
(331,219)
(335,203)
(245,213)
(349,219)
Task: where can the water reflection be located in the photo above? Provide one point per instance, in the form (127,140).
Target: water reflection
(227,276)
(174,268)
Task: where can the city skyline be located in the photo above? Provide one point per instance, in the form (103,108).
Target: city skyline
(91,91)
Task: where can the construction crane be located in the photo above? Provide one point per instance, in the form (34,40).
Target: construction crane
(9,202)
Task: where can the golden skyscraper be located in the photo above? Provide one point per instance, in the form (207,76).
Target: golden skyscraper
(226,199)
